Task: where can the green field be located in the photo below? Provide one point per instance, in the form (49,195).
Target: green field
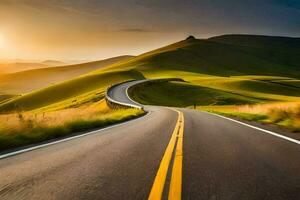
(185,94)
(70,92)
(292,83)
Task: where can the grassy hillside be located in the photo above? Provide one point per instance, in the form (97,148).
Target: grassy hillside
(252,87)
(218,58)
(215,91)
(282,50)
(5,97)
(224,71)
(26,81)
(292,83)
(70,92)
(185,94)
(281,44)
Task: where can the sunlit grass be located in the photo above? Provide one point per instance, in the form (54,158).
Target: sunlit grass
(180,94)
(255,88)
(255,98)
(286,114)
(68,90)
(20,129)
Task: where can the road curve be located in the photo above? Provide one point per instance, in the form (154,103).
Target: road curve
(221,160)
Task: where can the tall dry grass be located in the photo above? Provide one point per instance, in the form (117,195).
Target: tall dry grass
(286,114)
(26,128)
(290,107)
(17,121)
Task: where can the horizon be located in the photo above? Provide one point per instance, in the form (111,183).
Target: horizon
(96,30)
(73,61)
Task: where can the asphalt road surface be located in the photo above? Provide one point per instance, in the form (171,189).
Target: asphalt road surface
(214,158)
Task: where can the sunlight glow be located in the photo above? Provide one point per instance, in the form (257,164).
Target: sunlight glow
(1,40)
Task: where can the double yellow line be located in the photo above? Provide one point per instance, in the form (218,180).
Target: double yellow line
(176,177)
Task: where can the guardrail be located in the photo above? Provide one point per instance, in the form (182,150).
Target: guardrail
(114,104)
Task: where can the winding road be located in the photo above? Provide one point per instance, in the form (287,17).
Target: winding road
(165,154)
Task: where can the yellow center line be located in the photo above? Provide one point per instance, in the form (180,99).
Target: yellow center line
(176,177)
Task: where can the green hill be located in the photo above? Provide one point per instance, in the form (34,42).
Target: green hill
(260,41)
(180,94)
(217,58)
(83,88)
(26,81)
(236,68)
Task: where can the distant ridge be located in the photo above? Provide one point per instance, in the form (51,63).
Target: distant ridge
(228,55)
(26,81)
(54,63)
(20,66)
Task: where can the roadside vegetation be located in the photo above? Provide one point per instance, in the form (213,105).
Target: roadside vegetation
(286,114)
(19,129)
(251,98)
(235,75)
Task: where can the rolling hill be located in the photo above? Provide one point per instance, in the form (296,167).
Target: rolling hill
(54,63)
(13,66)
(6,68)
(219,58)
(241,68)
(26,81)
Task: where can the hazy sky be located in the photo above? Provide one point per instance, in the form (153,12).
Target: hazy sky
(95,29)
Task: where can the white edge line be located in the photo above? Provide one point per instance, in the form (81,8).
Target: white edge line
(260,129)
(66,139)
(122,103)
(128,94)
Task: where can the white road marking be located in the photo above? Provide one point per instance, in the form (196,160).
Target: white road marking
(66,139)
(254,127)
(127,94)
(139,106)
(260,129)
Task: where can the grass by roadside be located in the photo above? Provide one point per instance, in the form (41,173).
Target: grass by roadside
(234,97)
(286,114)
(21,129)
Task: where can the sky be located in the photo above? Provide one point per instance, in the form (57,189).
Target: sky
(97,29)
